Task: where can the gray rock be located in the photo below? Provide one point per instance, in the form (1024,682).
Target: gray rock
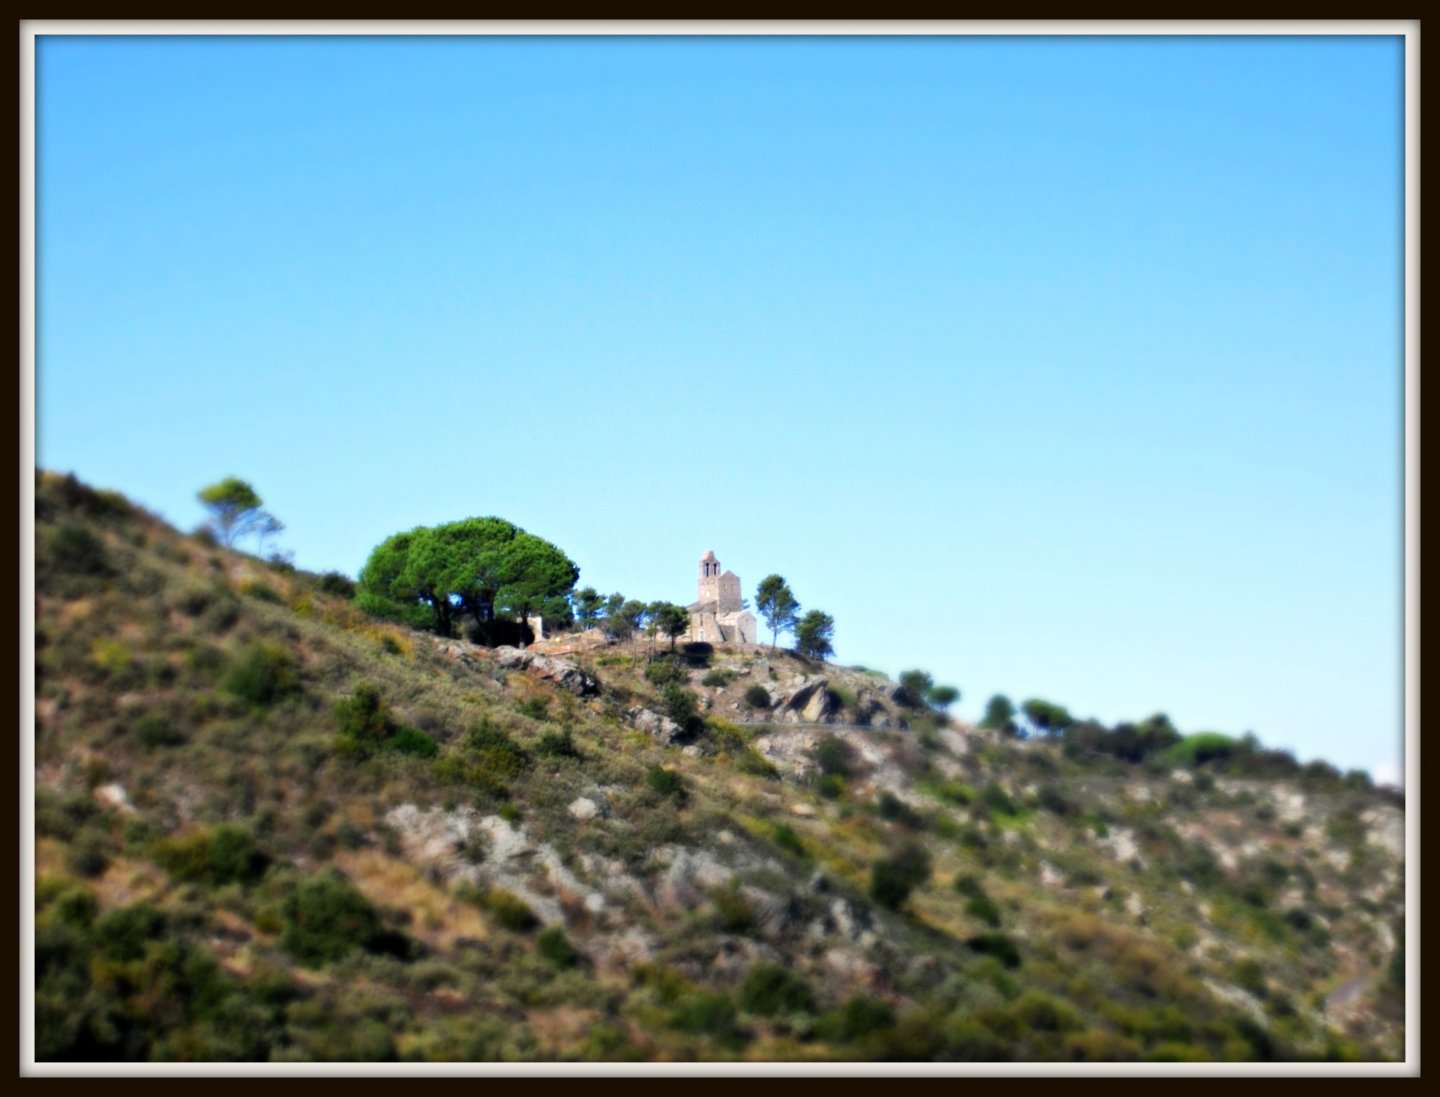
(563,673)
(851,921)
(660,728)
(773,913)
(810,699)
(583,809)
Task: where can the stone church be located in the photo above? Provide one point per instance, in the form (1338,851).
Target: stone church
(717,616)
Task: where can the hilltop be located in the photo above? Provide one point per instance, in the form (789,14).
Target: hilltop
(271,827)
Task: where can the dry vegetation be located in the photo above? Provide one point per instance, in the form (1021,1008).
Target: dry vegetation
(270,827)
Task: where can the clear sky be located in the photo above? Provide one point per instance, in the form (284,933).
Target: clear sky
(1059,367)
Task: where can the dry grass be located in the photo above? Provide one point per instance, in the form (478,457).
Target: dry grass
(126,881)
(559,1029)
(438,917)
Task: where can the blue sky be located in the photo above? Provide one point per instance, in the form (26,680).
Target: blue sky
(1060,367)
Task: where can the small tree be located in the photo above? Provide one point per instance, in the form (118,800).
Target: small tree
(652,623)
(235,511)
(631,617)
(269,527)
(777,604)
(999,715)
(1049,719)
(674,621)
(916,684)
(942,697)
(588,604)
(892,879)
(813,634)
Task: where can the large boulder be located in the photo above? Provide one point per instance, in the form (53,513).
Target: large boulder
(811,702)
(660,728)
(561,672)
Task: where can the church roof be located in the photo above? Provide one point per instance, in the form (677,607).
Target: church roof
(709,555)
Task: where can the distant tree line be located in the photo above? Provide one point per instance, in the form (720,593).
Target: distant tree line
(1157,742)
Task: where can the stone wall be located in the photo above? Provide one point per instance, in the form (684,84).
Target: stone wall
(728,594)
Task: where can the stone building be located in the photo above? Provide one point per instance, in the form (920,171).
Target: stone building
(718,615)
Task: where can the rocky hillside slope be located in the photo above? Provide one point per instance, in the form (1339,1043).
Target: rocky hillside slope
(268,827)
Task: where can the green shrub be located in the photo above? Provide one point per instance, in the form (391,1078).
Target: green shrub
(407,740)
(666,983)
(225,855)
(553,945)
(732,911)
(666,782)
(366,724)
(665,672)
(509,910)
(125,932)
(534,707)
(263,675)
(984,909)
(786,838)
(770,991)
(74,549)
(1051,799)
(88,854)
(154,729)
(680,705)
(1177,1053)
(557,744)
(891,807)
(1200,748)
(1039,1012)
(831,786)
(262,592)
(364,715)
(757,696)
(969,884)
(717,679)
(710,1015)
(997,800)
(1249,975)
(1198,865)
(755,765)
(997,945)
(697,654)
(857,1019)
(834,757)
(325,919)
(892,879)
(338,585)
(495,752)
(954,792)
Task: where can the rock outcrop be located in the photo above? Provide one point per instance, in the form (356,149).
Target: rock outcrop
(561,672)
(810,703)
(660,728)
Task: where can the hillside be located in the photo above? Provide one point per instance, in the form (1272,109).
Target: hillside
(269,827)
